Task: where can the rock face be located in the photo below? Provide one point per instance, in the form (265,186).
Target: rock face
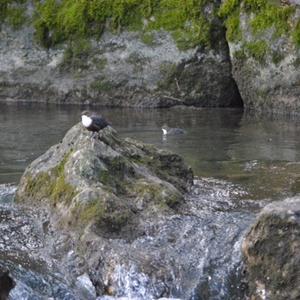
(107,184)
(115,216)
(264,40)
(119,69)
(271,250)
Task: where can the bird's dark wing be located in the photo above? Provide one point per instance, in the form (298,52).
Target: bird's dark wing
(99,122)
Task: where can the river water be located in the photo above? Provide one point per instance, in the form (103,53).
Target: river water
(241,162)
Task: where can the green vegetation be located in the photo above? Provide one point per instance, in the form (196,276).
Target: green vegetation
(67,20)
(233,32)
(148,38)
(271,16)
(12,12)
(93,210)
(51,185)
(228,7)
(263,15)
(257,50)
(102,85)
(76,54)
(156,193)
(296,34)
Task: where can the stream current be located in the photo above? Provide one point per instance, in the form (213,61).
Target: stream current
(241,162)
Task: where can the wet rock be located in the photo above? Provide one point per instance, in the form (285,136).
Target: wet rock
(265,55)
(106,184)
(271,252)
(7,193)
(120,70)
(86,287)
(6,284)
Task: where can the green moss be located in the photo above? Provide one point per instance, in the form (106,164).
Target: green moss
(185,20)
(228,7)
(277,57)
(38,187)
(296,34)
(76,54)
(106,217)
(257,50)
(232,24)
(272,16)
(94,210)
(148,38)
(12,12)
(16,17)
(62,191)
(155,193)
(168,70)
(50,185)
(255,5)
(100,62)
(102,85)
(263,15)
(240,54)
(70,19)
(47,31)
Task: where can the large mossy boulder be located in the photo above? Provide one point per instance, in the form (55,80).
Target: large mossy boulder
(272,252)
(264,41)
(104,183)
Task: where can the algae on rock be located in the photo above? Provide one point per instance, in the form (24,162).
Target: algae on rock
(107,183)
(118,53)
(264,45)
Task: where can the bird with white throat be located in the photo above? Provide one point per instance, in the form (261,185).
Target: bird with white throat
(93,122)
(171,131)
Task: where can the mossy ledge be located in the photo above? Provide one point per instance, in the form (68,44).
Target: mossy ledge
(69,20)
(273,18)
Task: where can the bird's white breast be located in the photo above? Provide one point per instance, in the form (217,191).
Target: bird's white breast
(164,131)
(86,121)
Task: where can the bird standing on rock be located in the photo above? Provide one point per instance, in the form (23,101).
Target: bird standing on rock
(93,122)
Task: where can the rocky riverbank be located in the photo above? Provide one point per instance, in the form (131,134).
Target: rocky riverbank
(161,58)
(264,41)
(147,67)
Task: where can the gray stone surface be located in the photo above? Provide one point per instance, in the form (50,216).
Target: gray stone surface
(118,70)
(107,183)
(271,85)
(271,252)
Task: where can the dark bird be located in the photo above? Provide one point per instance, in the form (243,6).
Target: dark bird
(171,131)
(93,122)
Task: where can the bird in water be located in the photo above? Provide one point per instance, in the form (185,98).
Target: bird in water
(93,122)
(171,131)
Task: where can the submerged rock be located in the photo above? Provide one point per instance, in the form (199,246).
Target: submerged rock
(107,184)
(271,251)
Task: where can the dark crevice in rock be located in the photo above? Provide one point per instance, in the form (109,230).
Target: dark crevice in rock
(6,284)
